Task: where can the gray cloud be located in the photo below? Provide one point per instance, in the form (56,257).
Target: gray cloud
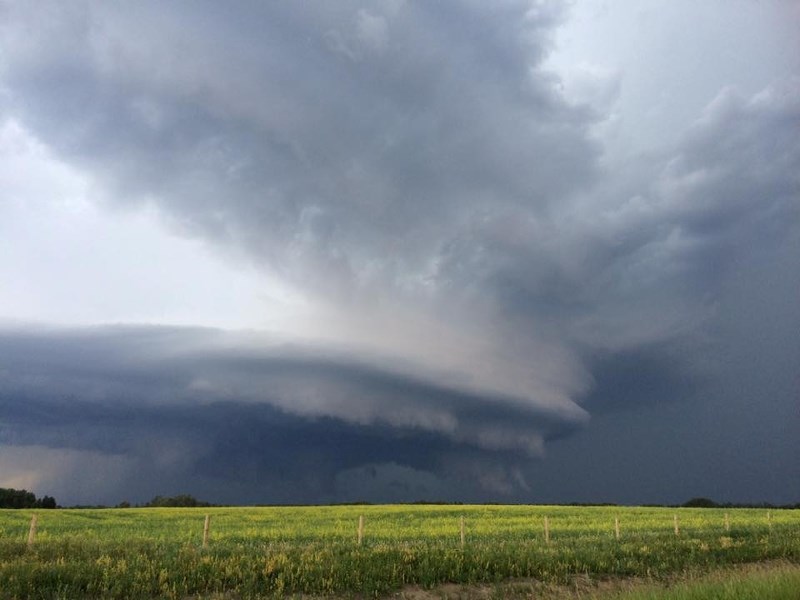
(204,404)
(344,157)
(481,282)
(350,168)
(167,366)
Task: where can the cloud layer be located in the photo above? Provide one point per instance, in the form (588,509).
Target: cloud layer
(180,402)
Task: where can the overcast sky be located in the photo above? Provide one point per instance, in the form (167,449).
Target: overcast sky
(515,251)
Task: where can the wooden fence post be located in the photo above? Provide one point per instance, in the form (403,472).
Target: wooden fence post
(727,523)
(616,527)
(675,520)
(462,532)
(205,531)
(360,529)
(32,532)
(546,531)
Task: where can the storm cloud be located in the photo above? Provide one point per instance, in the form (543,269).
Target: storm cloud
(481,286)
(213,405)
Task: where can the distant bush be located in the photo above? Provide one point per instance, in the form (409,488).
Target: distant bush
(181,500)
(11,498)
(700,503)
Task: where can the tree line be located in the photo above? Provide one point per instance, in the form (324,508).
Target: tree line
(11,498)
(181,500)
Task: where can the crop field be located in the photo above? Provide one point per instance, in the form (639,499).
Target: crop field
(280,551)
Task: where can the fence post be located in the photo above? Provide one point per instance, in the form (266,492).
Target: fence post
(32,532)
(675,520)
(205,531)
(616,527)
(727,523)
(546,531)
(360,529)
(462,531)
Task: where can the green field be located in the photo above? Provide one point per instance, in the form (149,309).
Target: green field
(267,552)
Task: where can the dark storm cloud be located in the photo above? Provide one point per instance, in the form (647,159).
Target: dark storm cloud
(209,409)
(413,169)
(348,148)
(157,366)
(627,380)
(270,455)
(265,455)
(706,406)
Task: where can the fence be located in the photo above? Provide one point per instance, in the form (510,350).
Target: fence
(461,527)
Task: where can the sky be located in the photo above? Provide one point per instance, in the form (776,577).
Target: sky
(389,251)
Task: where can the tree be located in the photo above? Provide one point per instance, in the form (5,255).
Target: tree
(700,503)
(182,500)
(11,498)
(47,502)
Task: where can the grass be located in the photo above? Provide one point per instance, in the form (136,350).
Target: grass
(778,583)
(271,552)
(774,580)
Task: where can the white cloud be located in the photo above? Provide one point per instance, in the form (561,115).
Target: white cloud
(67,260)
(672,58)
